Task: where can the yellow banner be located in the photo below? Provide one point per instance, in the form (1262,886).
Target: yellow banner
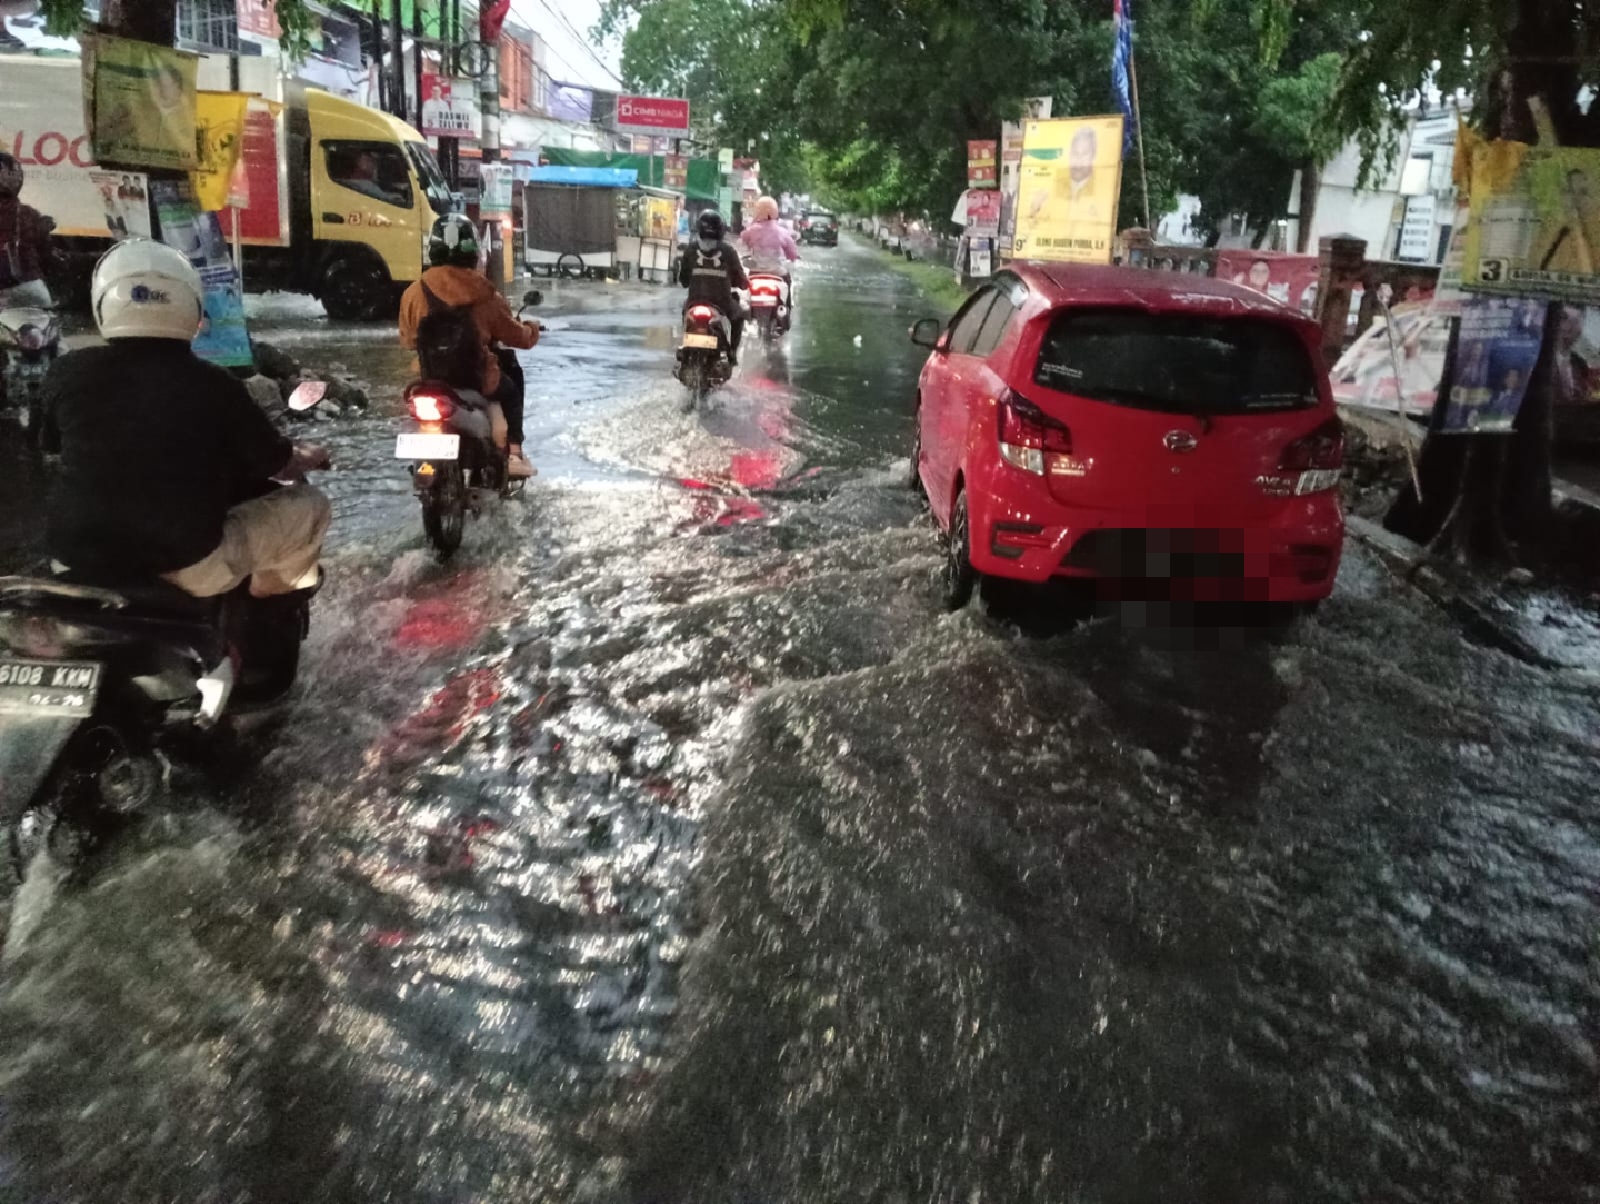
(219,139)
(144,105)
(661,219)
(1534,229)
(1071,181)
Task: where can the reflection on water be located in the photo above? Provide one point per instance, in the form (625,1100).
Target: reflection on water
(671,844)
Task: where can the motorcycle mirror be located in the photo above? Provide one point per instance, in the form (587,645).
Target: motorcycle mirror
(533,297)
(308,394)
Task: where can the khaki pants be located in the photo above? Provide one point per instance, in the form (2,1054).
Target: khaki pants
(274,540)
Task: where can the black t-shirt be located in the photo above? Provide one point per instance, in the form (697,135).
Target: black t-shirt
(156,445)
(711,276)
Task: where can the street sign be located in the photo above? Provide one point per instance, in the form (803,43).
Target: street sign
(655,115)
(1416,230)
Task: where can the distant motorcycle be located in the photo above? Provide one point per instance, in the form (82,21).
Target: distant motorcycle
(459,457)
(769,304)
(99,679)
(30,341)
(703,362)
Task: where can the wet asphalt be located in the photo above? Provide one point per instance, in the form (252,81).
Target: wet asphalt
(671,845)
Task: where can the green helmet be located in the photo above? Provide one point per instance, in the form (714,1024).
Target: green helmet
(453,241)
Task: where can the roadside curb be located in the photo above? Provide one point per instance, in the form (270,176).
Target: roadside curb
(1471,602)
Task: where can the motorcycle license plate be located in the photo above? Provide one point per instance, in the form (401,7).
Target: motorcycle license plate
(428,447)
(707,342)
(48,687)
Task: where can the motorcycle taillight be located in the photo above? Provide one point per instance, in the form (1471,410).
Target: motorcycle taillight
(431,407)
(702,313)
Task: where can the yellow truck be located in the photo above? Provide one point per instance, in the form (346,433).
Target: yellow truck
(341,197)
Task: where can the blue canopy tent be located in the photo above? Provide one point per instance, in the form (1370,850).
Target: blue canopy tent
(585,221)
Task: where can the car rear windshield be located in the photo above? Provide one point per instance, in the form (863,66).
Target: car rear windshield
(822,217)
(1177,363)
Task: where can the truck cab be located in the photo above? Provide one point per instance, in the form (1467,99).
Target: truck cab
(364,193)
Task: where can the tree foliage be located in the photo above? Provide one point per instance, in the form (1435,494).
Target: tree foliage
(871,103)
(65,19)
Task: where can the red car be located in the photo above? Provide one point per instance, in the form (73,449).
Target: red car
(1170,435)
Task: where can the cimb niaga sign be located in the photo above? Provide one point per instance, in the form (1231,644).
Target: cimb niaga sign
(658,115)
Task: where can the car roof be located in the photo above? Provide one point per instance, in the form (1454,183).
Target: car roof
(1070,285)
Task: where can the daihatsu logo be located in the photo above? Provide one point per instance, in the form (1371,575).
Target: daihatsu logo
(1180,441)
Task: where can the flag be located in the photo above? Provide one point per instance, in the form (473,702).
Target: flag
(493,17)
(1122,66)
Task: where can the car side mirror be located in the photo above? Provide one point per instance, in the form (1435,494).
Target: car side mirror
(533,297)
(926,332)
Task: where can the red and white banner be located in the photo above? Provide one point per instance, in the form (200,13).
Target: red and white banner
(449,107)
(260,18)
(662,116)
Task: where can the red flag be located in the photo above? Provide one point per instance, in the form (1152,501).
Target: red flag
(492,18)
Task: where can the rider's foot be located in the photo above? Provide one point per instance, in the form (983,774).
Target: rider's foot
(518,468)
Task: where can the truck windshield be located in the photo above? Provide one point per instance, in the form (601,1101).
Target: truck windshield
(433,181)
(1177,363)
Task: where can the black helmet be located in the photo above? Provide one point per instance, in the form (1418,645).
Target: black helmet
(710,227)
(453,241)
(10,175)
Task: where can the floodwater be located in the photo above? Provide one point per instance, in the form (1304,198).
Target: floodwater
(671,845)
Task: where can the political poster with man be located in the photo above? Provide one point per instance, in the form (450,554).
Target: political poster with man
(1071,182)
(1535,227)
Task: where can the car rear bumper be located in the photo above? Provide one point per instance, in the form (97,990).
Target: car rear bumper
(1291,556)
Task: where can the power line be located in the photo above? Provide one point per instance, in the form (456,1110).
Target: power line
(581,41)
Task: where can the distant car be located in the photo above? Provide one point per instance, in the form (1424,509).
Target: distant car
(819,228)
(1174,436)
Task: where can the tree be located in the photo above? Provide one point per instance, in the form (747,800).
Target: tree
(157,20)
(1480,492)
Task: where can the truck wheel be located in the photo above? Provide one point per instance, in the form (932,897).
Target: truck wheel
(356,288)
(571,266)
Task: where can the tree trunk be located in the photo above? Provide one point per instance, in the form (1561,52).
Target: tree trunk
(1478,502)
(1310,182)
(141,20)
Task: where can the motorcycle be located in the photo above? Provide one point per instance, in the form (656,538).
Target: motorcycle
(703,362)
(458,450)
(30,340)
(769,304)
(101,680)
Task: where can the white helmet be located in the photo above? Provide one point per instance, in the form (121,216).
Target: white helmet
(146,289)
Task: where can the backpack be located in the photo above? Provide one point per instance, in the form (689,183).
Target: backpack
(448,347)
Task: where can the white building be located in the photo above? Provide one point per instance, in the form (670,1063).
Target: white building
(1406,210)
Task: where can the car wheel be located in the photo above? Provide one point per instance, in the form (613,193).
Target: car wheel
(959,577)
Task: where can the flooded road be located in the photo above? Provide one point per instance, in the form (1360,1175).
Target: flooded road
(671,845)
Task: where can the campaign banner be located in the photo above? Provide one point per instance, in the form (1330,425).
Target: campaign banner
(1398,372)
(1287,278)
(660,219)
(1535,222)
(223,337)
(449,107)
(144,104)
(983,212)
(259,17)
(655,115)
(219,139)
(677,172)
(983,164)
(494,197)
(1071,181)
(126,197)
(1495,354)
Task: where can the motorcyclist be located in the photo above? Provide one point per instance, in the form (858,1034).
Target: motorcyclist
(25,250)
(454,280)
(166,463)
(711,270)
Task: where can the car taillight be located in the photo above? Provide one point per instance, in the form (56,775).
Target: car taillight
(1316,458)
(702,313)
(431,407)
(1029,438)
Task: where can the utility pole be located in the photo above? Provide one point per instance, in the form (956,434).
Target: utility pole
(398,94)
(489,144)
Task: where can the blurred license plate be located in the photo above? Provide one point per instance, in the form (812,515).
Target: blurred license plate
(48,687)
(706,341)
(428,447)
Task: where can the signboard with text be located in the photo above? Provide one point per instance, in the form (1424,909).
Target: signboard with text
(1535,227)
(449,107)
(1416,230)
(1071,182)
(654,115)
(983,164)
(983,213)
